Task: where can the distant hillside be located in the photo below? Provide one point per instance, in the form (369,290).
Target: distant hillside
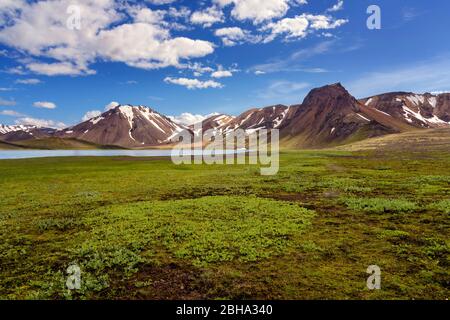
(54,143)
(9,146)
(411,141)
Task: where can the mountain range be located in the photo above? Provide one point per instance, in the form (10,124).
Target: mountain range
(328,116)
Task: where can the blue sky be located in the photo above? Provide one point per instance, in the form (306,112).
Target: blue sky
(201,57)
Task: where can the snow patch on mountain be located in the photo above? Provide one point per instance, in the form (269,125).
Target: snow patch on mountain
(4,129)
(416,99)
(280,119)
(364,118)
(432,101)
(96,120)
(368,102)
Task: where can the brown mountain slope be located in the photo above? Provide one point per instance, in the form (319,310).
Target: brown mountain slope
(125,126)
(418,110)
(415,140)
(24,132)
(214,122)
(254,119)
(330,116)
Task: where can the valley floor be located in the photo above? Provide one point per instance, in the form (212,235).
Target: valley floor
(143,228)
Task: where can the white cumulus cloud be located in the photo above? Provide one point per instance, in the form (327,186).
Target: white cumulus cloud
(232,36)
(11,113)
(44,104)
(43,123)
(193,83)
(301,25)
(338,6)
(187,118)
(111,105)
(221,74)
(208,16)
(258,10)
(91,114)
(161,2)
(40,30)
(28,81)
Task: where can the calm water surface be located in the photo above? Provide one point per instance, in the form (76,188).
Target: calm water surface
(25,154)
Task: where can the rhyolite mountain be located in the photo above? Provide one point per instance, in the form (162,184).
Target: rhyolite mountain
(125,126)
(328,116)
(213,122)
(419,110)
(254,119)
(24,132)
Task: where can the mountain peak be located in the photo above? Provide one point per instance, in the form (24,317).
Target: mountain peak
(333,95)
(131,107)
(337,85)
(125,125)
(335,88)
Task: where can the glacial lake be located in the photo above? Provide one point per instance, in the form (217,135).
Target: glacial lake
(26,154)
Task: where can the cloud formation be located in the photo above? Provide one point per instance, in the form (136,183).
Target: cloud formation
(44,104)
(28,81)
(91,114)
(42,123)
(143,41)
(57,42)
(294,61)
(258,11)
(193,83)
(11,113)
(188,119)
(111,105)
(282,89)
(221,74)
(300,26)
(7,103)
(288,29)
(208,17)
(337,7)
(232,36)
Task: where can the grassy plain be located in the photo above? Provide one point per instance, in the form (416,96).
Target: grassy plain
(143,228)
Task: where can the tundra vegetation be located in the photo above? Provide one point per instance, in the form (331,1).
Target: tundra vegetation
(144,228)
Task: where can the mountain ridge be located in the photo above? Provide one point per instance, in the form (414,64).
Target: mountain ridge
(328,116)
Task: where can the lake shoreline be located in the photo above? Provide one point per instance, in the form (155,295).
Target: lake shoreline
(30,154)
